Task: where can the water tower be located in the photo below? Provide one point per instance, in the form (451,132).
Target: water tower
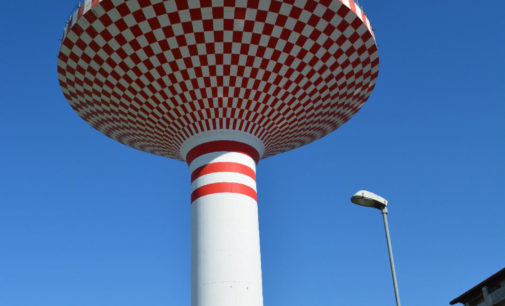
(219,84)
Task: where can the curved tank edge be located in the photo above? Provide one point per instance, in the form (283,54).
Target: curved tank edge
(89,4)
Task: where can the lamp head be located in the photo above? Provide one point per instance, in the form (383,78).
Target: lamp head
(369,199)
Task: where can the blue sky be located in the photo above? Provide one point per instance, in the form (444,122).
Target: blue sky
(87,221)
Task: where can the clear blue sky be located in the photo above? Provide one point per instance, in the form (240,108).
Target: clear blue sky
(87,221)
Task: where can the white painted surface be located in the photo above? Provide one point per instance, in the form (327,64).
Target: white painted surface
(222,177)
(217,157)
(225,251)
(225,244)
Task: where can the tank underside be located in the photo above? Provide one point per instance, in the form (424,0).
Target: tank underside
(151,74)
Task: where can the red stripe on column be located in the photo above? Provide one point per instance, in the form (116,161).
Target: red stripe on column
(223,167)
(223,187)
(222,145)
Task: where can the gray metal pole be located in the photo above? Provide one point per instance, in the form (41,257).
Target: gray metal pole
(391,260)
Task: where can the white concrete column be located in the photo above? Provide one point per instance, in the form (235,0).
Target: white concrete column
(225,248)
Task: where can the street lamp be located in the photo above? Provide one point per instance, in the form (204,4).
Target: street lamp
(369,199)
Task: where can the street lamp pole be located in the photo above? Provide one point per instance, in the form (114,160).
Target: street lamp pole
(390,249)
(369,199)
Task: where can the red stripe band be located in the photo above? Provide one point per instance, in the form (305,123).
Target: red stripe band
(222,167)
(81,10)
(219,146)
(353,6)
(223,187)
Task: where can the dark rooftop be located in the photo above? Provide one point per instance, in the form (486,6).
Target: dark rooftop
(476,289)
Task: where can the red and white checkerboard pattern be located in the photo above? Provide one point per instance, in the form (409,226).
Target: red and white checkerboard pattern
(153,73)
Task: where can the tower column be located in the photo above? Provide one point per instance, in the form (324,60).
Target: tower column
(225,248)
